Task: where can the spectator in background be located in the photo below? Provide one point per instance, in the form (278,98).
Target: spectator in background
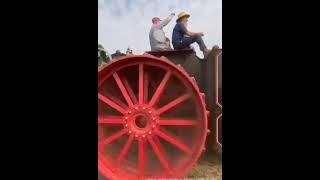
(117,54)
(129,51)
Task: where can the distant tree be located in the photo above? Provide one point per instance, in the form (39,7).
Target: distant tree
(103,56)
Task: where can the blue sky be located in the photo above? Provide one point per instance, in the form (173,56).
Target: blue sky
(123,23)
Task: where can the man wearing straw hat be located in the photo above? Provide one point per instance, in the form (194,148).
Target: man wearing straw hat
(182,38)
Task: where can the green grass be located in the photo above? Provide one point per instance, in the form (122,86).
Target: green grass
(207,167)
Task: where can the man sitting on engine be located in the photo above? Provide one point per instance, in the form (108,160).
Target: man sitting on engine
(158,40)
(183,38)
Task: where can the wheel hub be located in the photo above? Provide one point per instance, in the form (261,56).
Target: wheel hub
(141,121)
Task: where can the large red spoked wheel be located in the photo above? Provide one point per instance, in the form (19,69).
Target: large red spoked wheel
(152,119)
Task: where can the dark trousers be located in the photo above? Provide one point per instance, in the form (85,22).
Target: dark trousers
(187,41)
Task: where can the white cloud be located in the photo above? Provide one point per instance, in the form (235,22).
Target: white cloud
(123,23)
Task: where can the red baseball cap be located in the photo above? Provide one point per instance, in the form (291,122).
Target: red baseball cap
(155,19)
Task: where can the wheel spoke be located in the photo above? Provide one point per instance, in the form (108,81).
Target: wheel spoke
(141,157)
(117,101)
(141,87)
(160,154)
(173,103)
(125,150)
(160,89)
(123,89)
(174,141)
(146,156)
(107,163)
(112,138)
(110,120)
(111,103)
(177,122)
(130,91)
(158,143)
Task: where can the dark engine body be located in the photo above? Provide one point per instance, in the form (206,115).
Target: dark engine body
(208,74)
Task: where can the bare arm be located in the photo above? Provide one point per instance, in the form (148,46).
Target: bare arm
(166,21)
(189,33)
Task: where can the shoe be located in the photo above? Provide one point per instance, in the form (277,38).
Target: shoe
(215,47)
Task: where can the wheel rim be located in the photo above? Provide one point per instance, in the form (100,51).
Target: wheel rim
(152,120)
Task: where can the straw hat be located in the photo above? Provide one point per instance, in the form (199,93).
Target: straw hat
(181,15)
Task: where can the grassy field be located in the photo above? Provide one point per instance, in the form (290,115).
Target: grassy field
(208,168)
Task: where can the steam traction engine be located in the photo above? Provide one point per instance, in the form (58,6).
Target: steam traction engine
(156,112)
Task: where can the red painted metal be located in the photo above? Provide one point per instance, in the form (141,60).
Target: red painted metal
(152,119)
(217,95)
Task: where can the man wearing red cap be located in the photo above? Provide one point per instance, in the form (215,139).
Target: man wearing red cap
(158,40)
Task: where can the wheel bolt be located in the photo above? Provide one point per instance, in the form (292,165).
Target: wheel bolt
(150,132)
(126,118)
(143,108)
(150,112)
(126,125)
(137,136)
(136,108)
(130,132)
(153,118)
(143,136)
(129,112)
(153,126)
